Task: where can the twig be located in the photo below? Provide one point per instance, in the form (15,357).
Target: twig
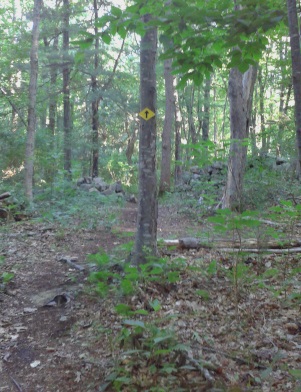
(240,361)
(14,107)
(205,372)
(16,384)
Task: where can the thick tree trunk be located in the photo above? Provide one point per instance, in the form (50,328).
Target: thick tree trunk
(240,93)
(66,94)
(146,235)
(31,127)
(296,68)
(165,179)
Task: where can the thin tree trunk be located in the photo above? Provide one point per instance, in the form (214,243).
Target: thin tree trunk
(178,152)
(146,235)
(296,68)
(165,179)
(66,93)
(95,100)
(31,127)
(52,106)
(261,113)
(189,106)
(206,113)
(53,96)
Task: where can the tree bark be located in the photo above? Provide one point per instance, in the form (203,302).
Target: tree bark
(95,100)
(31,127)
(66,93)
(296,69)
(240,91)
(165,179)
(262,86)
(146,235)
(178,152)
(190,92)
(206,112)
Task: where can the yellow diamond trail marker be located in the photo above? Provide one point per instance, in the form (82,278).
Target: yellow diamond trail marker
(146,114)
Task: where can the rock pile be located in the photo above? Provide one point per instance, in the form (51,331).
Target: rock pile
(214,173)
(97,184)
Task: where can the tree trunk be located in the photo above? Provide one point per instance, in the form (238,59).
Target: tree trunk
(206,113)
(53,95)
(262,84)
(165,178)
(66,93)
(189,106)
(52,106)
(240,93)
(31,127)
(146,235)
(178,152)
(296,68)
(95,100)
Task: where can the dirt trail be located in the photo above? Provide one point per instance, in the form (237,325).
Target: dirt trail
(53,348)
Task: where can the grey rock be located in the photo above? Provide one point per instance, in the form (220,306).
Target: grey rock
(86,187)
(93,190)
(107,192)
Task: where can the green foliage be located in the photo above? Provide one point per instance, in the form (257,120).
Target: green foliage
(197,48)
(64,203)
(145,346)
(228,221)
(116,275)
(265,185)
(5,277)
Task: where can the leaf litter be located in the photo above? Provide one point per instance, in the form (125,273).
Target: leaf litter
(226,335)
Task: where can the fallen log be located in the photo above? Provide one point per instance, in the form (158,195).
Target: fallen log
(5,195)
(250,245)
(254,250)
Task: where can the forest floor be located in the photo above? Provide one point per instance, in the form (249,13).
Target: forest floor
(206,332)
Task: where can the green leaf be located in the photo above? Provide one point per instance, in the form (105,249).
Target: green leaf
(143,312)
(155,305)
(203,293)
(127,286)
(173,276)
(122,32)
(162,339)
(101,22)
(116,11)
(134,323)
(83,44)
(243,66)
(106,38)
(123,309)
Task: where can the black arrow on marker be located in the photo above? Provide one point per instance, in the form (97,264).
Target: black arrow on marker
(146,113)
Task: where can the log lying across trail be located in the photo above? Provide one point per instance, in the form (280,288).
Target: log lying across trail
(249,246)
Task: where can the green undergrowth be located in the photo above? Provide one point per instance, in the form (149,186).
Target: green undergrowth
(66,204)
